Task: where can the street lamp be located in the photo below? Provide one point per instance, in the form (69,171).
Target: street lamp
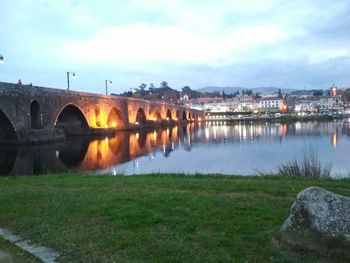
(1,59)
(107,81)
(73,75)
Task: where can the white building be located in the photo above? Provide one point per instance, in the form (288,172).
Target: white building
(307,104)
(270,103)
(245,103)
(330,102)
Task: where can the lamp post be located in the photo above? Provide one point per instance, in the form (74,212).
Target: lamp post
(107,82)
(1,59)
(73,75)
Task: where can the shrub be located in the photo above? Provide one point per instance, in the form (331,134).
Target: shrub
(310,166)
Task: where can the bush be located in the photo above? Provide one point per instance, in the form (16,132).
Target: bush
(310,166)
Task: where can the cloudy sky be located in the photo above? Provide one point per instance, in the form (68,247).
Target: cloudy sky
(280,43)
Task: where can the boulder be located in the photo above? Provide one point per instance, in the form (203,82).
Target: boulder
(319,219)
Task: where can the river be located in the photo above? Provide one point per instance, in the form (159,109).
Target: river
(213,147)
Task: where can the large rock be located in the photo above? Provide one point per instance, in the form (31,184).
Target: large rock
(319,219)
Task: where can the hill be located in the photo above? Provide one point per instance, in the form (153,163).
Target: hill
(232,90)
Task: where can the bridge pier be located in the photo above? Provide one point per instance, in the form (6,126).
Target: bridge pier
(34,136)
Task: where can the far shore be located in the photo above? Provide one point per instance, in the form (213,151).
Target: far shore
(273,117)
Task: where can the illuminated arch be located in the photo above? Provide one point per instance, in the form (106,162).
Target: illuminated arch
(115,119)
(140,116)
(72,120)
(168,115)
(177,115)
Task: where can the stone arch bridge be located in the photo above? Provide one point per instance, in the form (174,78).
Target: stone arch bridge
(31,114)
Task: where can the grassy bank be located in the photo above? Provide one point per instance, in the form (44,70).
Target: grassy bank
(154,218)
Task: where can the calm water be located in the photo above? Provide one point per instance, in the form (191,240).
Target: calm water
(218,147)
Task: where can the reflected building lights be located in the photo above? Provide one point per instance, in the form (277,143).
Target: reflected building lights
(207,135)
(334,139)
(282,129)
(225,131)
(244,132)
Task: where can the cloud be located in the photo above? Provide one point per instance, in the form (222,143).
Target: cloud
(196,43)
(146,43)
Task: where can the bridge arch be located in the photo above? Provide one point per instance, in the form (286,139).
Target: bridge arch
(168,115)
(115,119)
(7,130)
(72,120)
(140,116)
(35,115)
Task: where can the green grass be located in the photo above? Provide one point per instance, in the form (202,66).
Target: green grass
(154,218)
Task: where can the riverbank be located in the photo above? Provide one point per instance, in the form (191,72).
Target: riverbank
(11,253)
(156,218)
(214,117)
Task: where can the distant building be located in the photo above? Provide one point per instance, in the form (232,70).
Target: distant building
(306,104)
(246,103)
(290,101)
(330,102)
(270,104)
(333,90)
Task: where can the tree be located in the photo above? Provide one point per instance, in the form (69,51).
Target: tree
(346,95)
(142,87)
(257,96)
(186,89)
(223,94)
(164,84)
(318,92)
(151,87)
(280,94)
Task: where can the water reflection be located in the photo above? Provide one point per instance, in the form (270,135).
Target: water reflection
(72,153)
(7,159)
(207,147)
(334,139)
